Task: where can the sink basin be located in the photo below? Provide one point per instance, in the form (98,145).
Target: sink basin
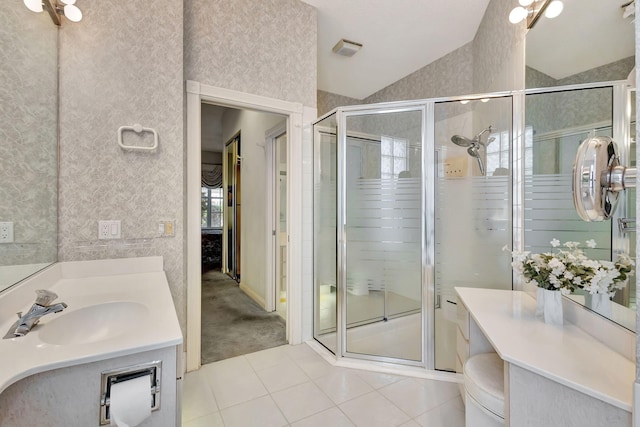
(92,323)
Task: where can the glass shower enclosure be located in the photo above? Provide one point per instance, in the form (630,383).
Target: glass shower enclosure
(410,200)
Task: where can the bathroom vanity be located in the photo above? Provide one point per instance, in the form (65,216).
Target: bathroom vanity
(120,319)
(553,376)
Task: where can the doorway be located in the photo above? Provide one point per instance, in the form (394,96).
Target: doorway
(296,115)
(237,312)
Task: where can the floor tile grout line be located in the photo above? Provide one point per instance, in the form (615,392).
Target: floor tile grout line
(314,381)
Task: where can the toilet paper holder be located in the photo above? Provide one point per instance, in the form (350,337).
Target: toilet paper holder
(108,378)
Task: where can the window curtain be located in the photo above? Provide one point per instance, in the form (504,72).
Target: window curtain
(212,176)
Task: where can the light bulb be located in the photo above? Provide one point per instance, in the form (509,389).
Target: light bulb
(525,3)
(554,9)
(73,13)
(464,101)
(484,100)
(518,14)
(34,5)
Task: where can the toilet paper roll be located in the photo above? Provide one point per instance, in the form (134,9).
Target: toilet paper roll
(130,402)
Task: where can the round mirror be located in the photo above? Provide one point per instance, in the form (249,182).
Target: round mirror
(593,199)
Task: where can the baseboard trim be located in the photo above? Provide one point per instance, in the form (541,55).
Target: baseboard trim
(253,295)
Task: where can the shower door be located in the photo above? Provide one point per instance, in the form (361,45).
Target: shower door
(381,219)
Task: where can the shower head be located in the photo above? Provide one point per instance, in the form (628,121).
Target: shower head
(461,141)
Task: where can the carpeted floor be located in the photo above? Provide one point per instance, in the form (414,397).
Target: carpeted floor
(232,323)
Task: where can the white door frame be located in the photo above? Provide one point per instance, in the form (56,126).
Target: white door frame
(272,240)
(197,93)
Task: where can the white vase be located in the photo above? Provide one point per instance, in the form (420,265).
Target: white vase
(600,303)
(549,306)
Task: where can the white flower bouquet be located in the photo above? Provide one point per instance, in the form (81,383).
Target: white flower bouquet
(569,269)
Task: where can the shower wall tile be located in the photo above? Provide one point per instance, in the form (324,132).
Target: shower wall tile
(327,101)
(261,47)
(28,134)
(123,65)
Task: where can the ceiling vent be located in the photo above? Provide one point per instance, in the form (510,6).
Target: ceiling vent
(346,47)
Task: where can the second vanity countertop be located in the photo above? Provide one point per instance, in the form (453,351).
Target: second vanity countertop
(567,354)
(115,308)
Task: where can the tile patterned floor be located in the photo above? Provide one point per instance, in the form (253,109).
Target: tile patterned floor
(294,386)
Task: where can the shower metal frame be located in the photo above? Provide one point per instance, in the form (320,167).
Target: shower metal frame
(621,109)
(427,108)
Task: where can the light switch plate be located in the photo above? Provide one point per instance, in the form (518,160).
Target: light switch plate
(6,232)
(110,229)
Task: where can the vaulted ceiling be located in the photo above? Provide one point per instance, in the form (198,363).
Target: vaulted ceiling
(402,36)
(398,38)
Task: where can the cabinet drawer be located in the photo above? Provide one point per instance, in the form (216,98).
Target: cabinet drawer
(463,319)
(462,347)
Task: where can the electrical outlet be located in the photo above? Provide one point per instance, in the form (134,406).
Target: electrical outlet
(109,229)
(6,232)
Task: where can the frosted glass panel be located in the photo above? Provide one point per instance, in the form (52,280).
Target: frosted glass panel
(472,209)
(325,232)
(384,235)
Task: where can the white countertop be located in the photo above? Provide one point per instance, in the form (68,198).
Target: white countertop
(566,354)
(132,294)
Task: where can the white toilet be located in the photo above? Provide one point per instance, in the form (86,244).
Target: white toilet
(484,391)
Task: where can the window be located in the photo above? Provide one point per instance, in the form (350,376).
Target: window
(211,208)
(498,152)
(394,153)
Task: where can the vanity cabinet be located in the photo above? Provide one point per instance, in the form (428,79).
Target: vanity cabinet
(553,376)
(119,322)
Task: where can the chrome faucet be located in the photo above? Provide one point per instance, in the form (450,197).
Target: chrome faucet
(40,308)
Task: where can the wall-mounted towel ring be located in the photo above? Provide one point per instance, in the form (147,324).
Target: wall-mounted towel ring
(137,128)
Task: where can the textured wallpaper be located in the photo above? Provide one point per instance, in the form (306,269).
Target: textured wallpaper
(261,47)
(123,65)
(327,101)
(493,61)
(618,70)
(563,110)
(448,76)
(498,50)
(28,134)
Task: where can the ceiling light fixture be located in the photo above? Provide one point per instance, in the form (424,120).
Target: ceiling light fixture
(66,8)
(346,47)
(34,5)
(531,10)
(554,9)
